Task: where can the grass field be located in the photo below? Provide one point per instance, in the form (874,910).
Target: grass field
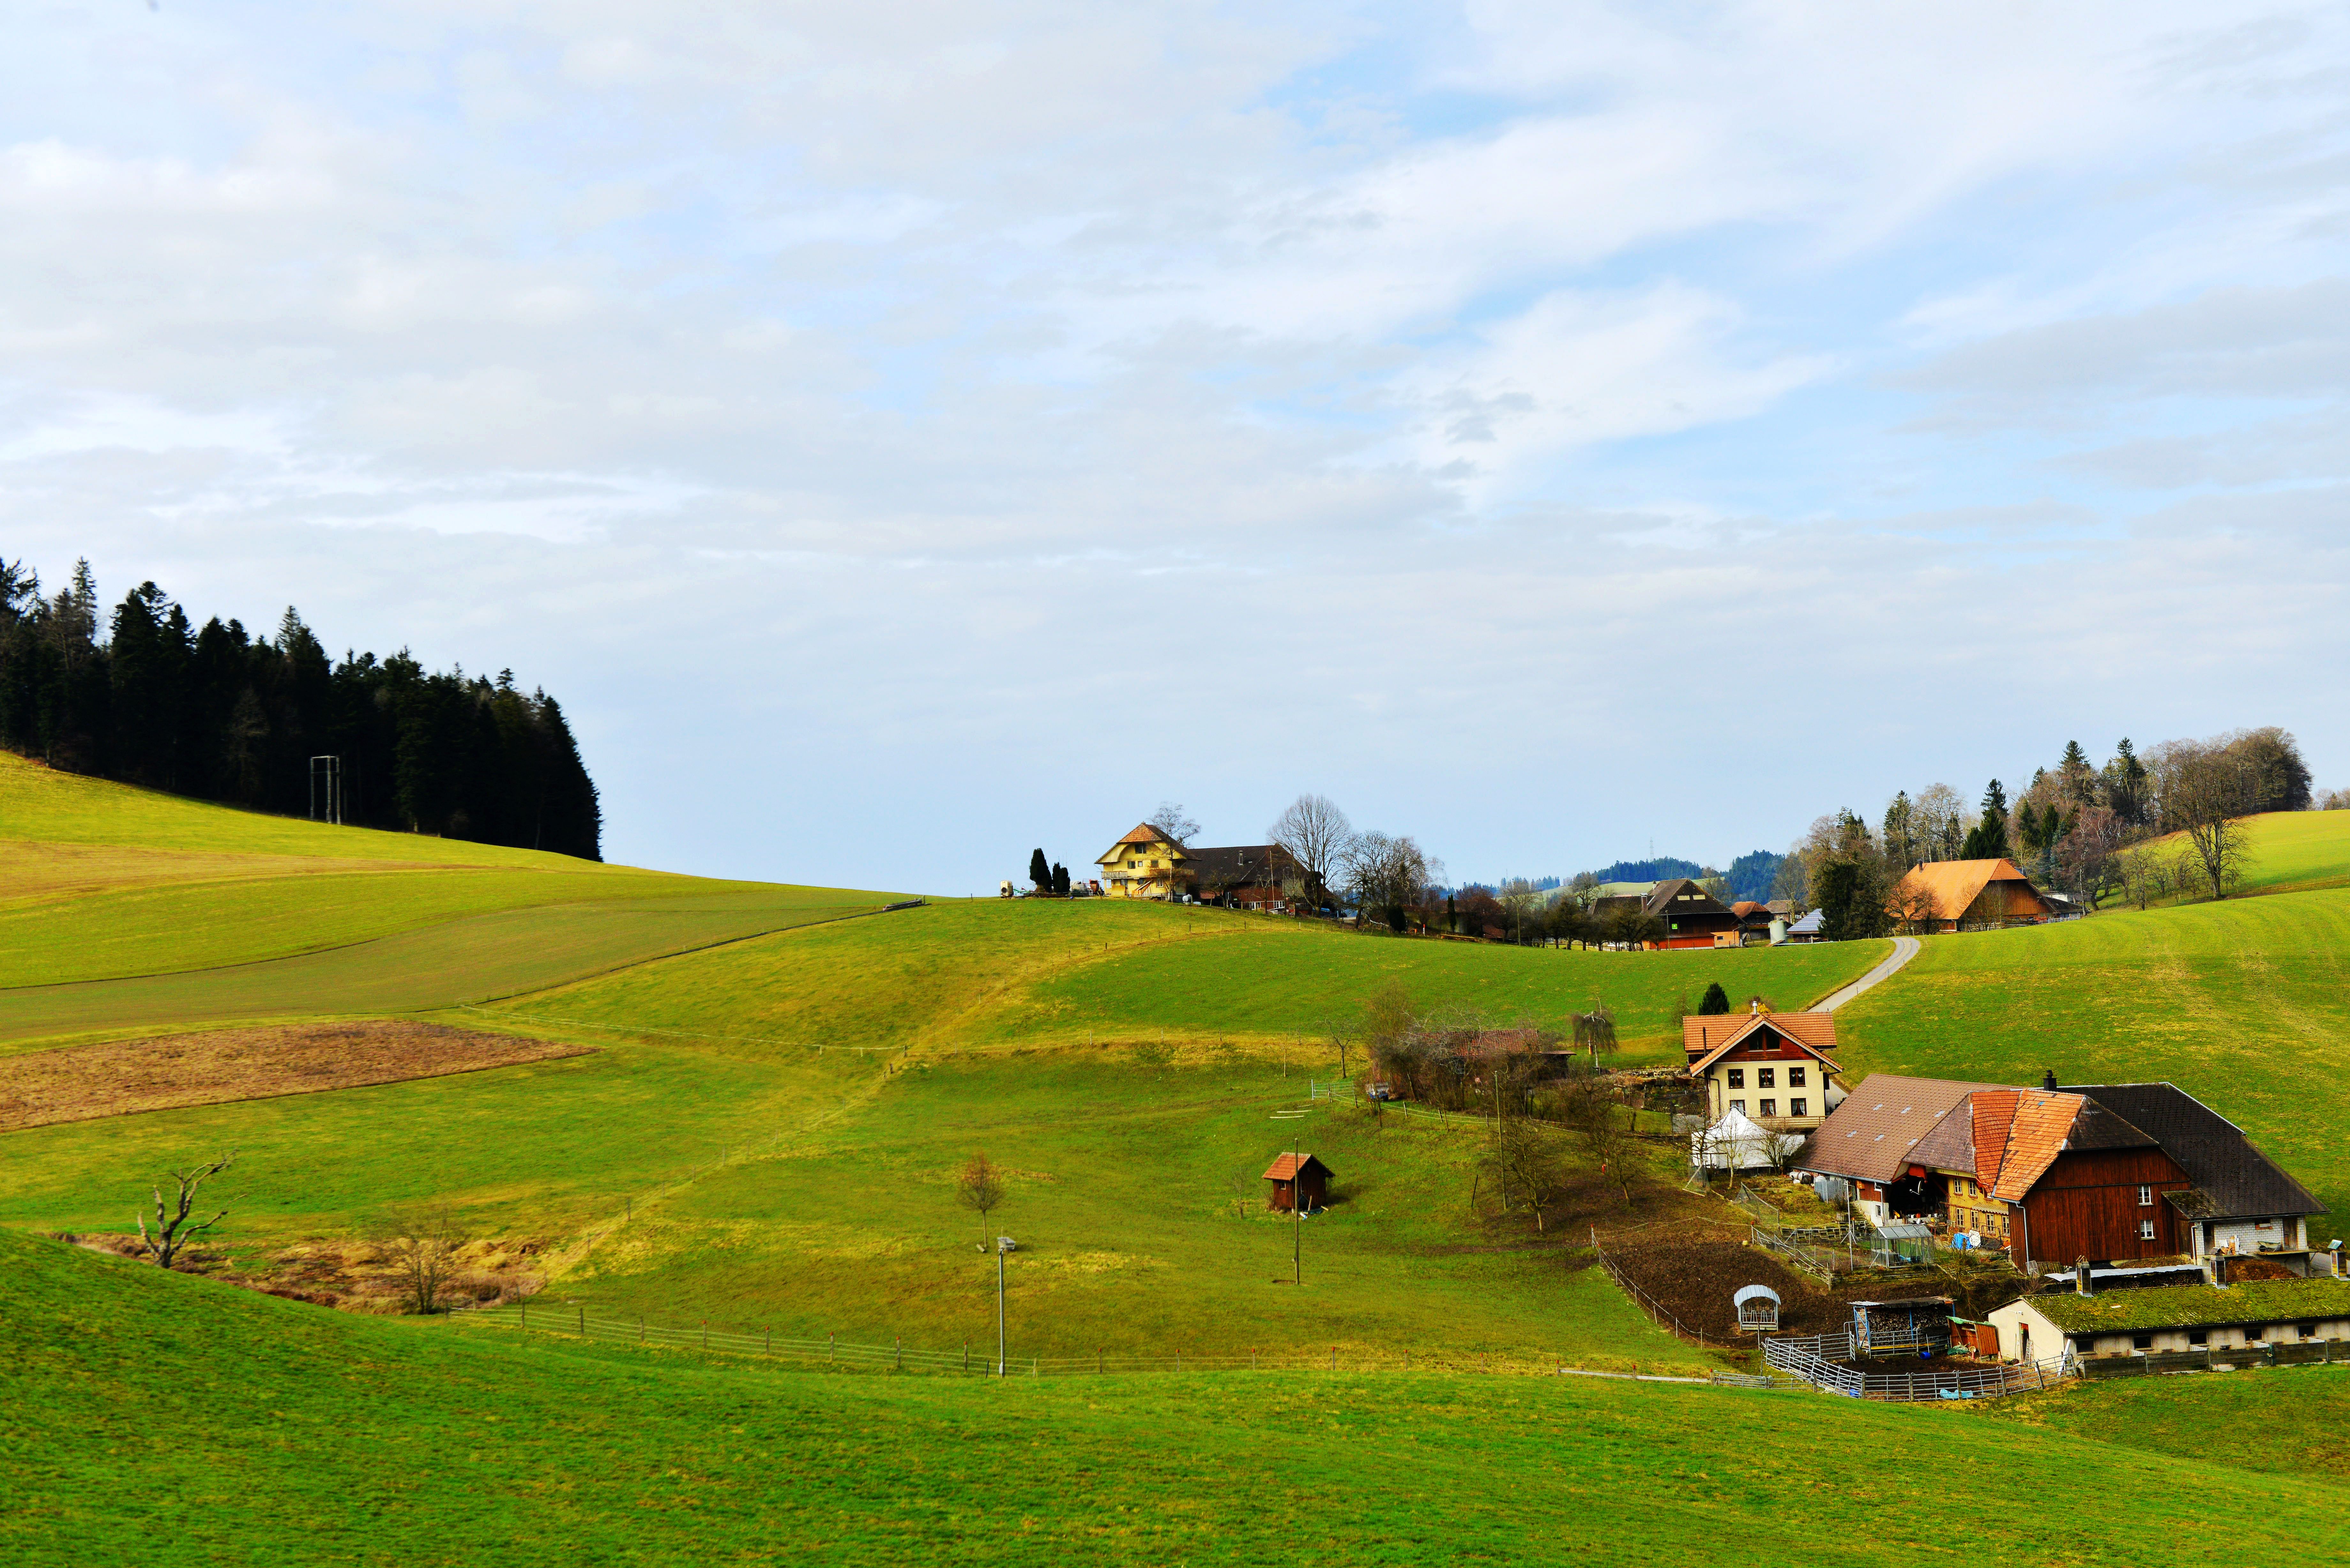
(157,1417)
(989,971)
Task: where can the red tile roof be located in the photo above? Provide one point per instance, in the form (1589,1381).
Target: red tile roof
(1705,1036)
(1288,1165)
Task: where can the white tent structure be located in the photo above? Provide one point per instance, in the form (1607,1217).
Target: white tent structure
(1736,1142)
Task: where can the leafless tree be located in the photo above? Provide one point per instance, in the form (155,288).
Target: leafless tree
(1387,876)
(424,1258)
(173,1228)
(2145,874)
(1915,910)
(1605,1128)
(979,1187)
(2207,791)
(1170,820)
(1317,837)
(1523,1157)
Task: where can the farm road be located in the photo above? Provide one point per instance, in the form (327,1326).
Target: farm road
(1904,950)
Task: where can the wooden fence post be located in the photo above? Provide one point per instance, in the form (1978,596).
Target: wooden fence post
(705,1333)
(640,1328)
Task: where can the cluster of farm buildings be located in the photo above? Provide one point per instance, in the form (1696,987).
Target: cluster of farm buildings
(1947,894)
(2174,1230)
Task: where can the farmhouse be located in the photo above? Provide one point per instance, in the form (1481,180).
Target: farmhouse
(1297,1178)
(2175,1318)
(1867,1138)
(2238,1201)
(2111,1173)
(1694,917)
(1967,896)
(1251,876)
(1772,1068)
(1144,864)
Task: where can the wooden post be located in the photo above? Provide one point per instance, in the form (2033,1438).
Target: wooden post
(525,1315)
(899,1347)
(640,1328)
(583,1322)
(966,1356)
(705,1333)
(827,1347)
(771,1339)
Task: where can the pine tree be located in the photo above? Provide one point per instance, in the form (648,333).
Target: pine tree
(1060,880)
(1040,871)
(1989,839)
(1714,1001)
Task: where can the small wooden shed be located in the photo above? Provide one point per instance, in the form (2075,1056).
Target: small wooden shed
(1296,1176)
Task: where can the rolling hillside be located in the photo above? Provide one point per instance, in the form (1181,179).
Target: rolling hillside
(157,1416)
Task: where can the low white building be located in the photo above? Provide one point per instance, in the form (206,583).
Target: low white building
(2173,1317)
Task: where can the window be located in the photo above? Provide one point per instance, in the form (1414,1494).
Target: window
(1794,1077)
(2141,1342)
(1765,1078)
(1769,1107)
(1738,1077)
(2145,1230)
(2199,1336)
(1737,1105)
(1795,1106)
(2144,1196)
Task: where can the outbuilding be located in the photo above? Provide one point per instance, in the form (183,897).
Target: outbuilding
(1298,1178)
(2165,1318)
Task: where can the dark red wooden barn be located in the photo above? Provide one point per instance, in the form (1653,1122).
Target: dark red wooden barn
(1296,1176)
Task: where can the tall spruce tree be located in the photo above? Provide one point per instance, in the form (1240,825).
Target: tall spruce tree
(1040,871)
(1987,840)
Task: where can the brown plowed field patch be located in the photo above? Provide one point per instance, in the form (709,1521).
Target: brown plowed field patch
(1694,1281)
(118,1077)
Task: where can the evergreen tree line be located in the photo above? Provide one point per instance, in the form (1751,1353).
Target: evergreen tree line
(145,696)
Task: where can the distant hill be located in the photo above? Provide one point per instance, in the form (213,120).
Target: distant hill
(1655,870)
(1751,875)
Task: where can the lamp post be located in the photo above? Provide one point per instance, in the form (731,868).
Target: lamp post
(1003,1245)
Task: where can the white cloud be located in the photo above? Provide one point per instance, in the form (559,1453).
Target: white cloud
(1361,385)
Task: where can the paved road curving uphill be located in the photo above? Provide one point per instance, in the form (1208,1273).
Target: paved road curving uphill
(1904,950)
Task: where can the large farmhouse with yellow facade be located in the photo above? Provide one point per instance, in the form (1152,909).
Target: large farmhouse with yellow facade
(1144,864)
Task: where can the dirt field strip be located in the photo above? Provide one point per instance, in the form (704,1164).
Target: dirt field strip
(119,1077)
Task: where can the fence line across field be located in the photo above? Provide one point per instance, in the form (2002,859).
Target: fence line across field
(574,1322)
(1654,1308)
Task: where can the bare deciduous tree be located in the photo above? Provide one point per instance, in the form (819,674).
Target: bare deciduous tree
(424,1258)
(1522,1156)
(174,1229)
(979,1187)
(1170,820)
(1387,876)
(2207,791)
(1317,835)
(1605,1130)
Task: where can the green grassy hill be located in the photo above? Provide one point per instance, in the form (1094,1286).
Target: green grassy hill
(157,1418)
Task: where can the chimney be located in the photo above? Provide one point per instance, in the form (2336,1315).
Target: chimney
(2048,1082)
(2081,1277)
(1753,1005)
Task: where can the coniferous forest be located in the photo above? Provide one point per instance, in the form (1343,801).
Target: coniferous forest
(143,695)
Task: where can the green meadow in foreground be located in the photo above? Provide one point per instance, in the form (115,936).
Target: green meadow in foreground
(158,1418)
(2244,1004)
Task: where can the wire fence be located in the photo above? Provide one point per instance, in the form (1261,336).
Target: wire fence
(978,1359)
(1655,1309)
(1819,1360)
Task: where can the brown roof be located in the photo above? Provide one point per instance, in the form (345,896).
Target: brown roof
(1871,1135)
(1955,884)
(1662,898)
(1238,865)
(1706,1035)
(1143,833)
(2231,1177)
(1288,1165)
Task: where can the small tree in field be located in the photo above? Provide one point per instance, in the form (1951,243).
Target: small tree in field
(424,1256)
(979,1188)
(172,1230)
(1595,1032)
(1715,1001)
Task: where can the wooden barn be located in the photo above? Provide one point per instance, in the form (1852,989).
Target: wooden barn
(1296,1176)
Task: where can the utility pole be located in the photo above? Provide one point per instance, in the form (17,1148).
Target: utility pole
(1296,1210)
(999,1304)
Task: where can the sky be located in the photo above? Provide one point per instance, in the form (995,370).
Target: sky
(904,435)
